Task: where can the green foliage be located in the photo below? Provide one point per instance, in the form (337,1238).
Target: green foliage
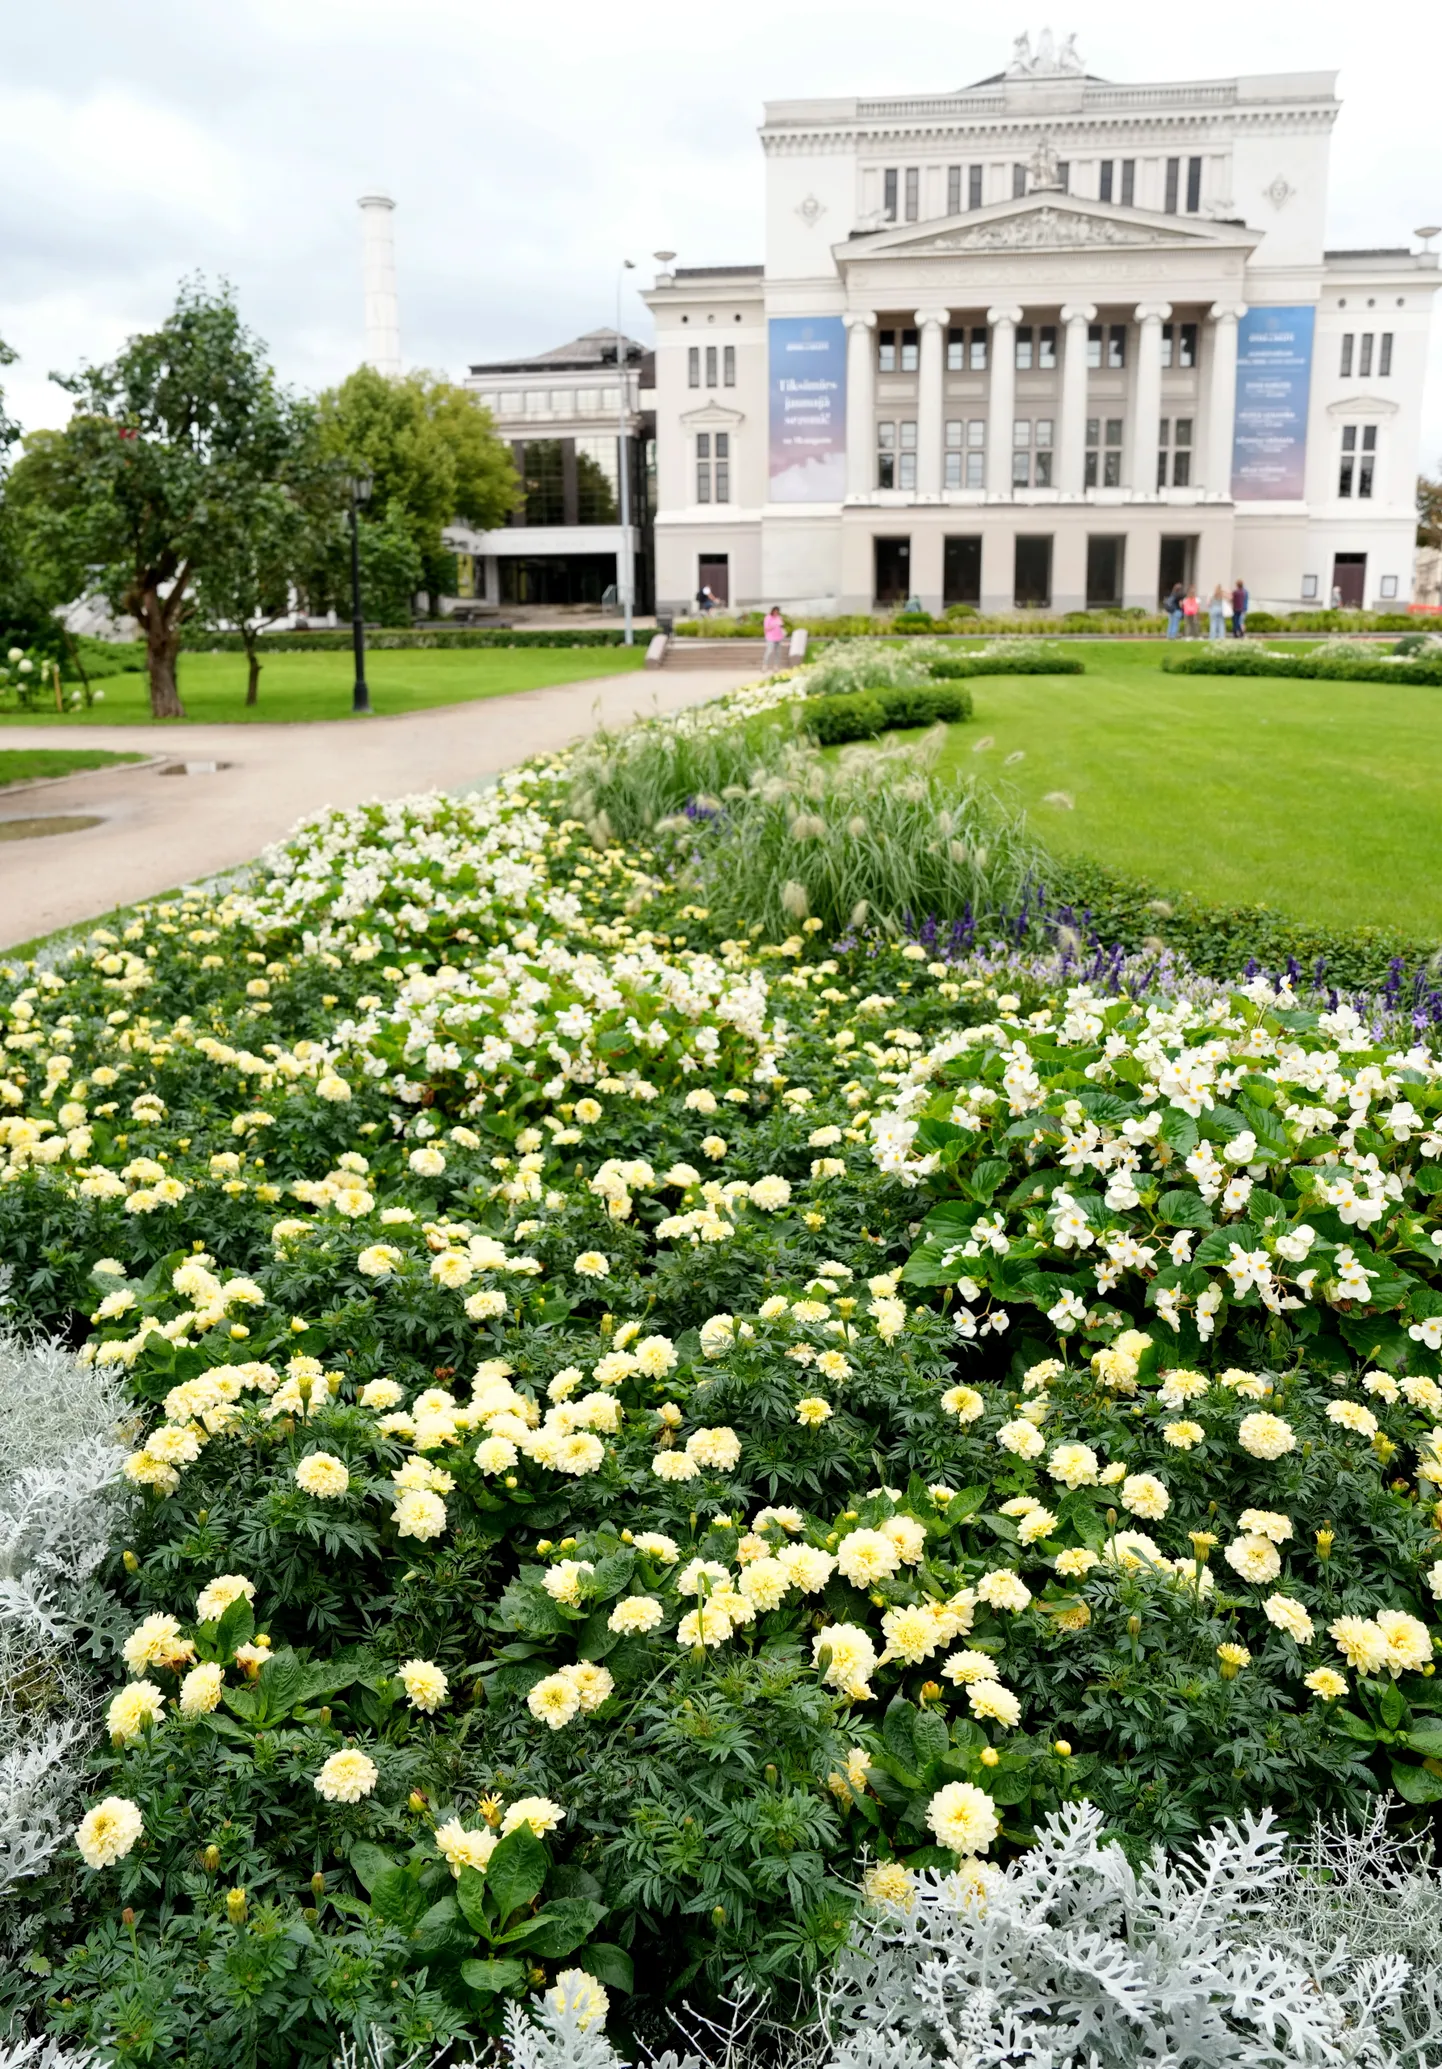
(405,639)
(832,720)
(1218,659)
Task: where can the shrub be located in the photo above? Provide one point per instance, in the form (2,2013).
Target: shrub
(394,639)
(1351,665)
(913,621)
(852,666)
(832,720)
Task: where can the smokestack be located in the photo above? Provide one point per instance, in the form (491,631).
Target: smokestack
(383,316)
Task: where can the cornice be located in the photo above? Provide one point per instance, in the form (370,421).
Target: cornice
(1072,127)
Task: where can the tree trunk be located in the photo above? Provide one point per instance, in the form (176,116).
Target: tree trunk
(162,644)
(252,687)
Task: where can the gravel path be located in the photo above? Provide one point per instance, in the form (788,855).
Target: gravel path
(157,831)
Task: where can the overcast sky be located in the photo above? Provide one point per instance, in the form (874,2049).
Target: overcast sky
(530,148)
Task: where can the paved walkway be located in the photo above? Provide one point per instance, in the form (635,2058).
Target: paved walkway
(158,832)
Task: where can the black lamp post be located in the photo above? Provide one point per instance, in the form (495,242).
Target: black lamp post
(360,492)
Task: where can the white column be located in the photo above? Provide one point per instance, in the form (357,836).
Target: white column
(860,402)
(1071,465)
(1147,398)
(382,306)
(930,401)
(1222,397)
(1001,407)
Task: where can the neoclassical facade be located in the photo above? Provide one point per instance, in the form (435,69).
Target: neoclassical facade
(1046,342)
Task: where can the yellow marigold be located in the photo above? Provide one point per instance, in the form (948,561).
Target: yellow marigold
(812,1411)
(200,1691)
(1326,1683)
(539,1812)
(347,1776)
(890,1882)
(576,1991)
(425,1684)
(419,1514)
(134,1710)
(108,1833)
(323,1475)
(636,1613)
(553,1701)
(217,1595)
(1265,1436)
(963,1817)
(463,1849)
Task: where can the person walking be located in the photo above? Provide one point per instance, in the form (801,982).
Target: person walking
(774,628)
(1240,600)
(1189,614)
(1173,609)
(1217,613)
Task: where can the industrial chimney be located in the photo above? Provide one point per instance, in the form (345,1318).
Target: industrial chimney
(383,319)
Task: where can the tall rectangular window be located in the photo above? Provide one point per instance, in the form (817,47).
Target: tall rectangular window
(1046,347)
(976,453)
(1364,357)
(886,456)
(1347,343)
(693,366)
(978,349)
(1104,182)
(1018,182)
(1182,453)
(1179,344)
(973,186)
(703,466)
(728,366)
(1063,173)
(888,193)
(906,457)
(1129,182)
(956,350)
(710,366)
(1367,464)
(1021,453)
(723,466)
(1164,434)
(1094,344)
(1348,469)
(1023,347)
(1384,357)
(955,453)
(913,192)
(1174,179)
(953,190)
(910,351)
(1194,185)
(1116,345)
(1103,453)
(886,351)
(1041,456)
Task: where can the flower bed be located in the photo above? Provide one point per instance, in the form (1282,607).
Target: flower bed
(630,1417)
(1218,659)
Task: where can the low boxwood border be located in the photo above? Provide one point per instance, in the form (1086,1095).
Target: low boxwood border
(386,640)
(861,716)
(1248,660)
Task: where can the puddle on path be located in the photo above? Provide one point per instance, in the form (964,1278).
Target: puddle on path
(36,829)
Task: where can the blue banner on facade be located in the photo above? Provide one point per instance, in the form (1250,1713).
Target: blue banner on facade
(807,409)
(1274,378)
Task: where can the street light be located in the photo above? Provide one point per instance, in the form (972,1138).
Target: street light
(625,565)
(359,486)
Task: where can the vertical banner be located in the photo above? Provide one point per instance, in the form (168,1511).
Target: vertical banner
(1274,378)
(807,409)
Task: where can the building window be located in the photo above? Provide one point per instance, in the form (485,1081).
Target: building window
(1046,347)
(1347,343)
(703,466)
(1094,344)
(886,351)
(1129,182)
(693,366)
(1023,347)
(1174,441)
(965,453)
(1309,588)
(1364,357)
(888,193)
(597,480)
(1018,182)
(956,350)
(1104,183)
(1021,453)
(1103,462)
(1384,367)
(1063,173)
(886,456)
(906,457)
(910,351)
(978,349)
(710,366)
(1389,588)
(1359,461)
(953,190)
(1367,464)
(913,192)
(723,466)
(1116,345)
(1041,457)
(973,186)
(1031,452)
(1174,178)
(728,366)
(1179,344)
(1194,185)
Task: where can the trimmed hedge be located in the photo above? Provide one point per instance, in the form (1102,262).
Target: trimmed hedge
(832,720)
(1244,660)
(963,618)
(384,640)
(954,667)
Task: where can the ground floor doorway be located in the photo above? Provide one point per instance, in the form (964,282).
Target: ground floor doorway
(1349,580)
(556,578)
(1177,562)
(893,570)
(1106,570)
(1031,587)
(713,572)
(961,570)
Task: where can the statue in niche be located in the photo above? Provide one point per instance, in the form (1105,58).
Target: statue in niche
(1043,168)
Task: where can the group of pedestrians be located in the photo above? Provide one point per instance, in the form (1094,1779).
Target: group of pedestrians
(1184,612)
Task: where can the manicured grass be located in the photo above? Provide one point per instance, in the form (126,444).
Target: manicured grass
(318,686)
(1321,799)
(27,764)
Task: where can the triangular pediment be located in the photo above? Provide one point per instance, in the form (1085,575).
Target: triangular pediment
(1049,220)
(712,415)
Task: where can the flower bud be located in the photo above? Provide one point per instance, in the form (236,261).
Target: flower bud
(773,1774)
(127,1917)
(1063,1748)
(202,1515)
(989,1756)
(317,1884)
(210,1859)
(1111,1519)
(1325,1540)
(236,1908)
(325,1713)
(1134,1627)
(416,1801)
(129,1561)
(930,1692)
(718,1916)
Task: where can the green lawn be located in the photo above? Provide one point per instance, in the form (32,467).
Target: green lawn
(26,764)
(1321,799)
(311,686)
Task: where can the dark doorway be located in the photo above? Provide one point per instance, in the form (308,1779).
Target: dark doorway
(1032,589)
(893,570)
(961,570)
(1106,564)
(555,578)
(713,572)
(1349,577)
(1177,562)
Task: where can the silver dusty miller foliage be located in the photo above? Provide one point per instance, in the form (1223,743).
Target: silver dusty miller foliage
(61,1501)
